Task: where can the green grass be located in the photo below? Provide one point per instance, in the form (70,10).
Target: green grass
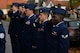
(8,19)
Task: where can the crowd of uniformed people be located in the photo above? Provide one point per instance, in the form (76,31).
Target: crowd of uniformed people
(36,34)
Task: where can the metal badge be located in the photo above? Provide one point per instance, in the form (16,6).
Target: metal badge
(34,24)
(28,22)
(40,10)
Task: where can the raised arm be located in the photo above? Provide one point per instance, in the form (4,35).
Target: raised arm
(47,2)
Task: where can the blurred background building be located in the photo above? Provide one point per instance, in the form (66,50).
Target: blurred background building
(68,3)
(5,3)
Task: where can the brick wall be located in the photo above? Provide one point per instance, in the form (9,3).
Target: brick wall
(4,3)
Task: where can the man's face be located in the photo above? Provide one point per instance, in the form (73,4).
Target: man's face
(27,1)
(42,16)
(55,18)
(21,9)
(28,12)
(14,8)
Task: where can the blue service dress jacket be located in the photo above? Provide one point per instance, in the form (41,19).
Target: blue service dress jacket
(29,33)
(58,39)
(2,39)
(20,23)
(41,38)
(13,22)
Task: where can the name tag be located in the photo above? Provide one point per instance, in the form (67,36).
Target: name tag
(40,29)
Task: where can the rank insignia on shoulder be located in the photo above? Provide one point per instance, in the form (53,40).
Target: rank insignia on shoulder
(64,36)
(28,23)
